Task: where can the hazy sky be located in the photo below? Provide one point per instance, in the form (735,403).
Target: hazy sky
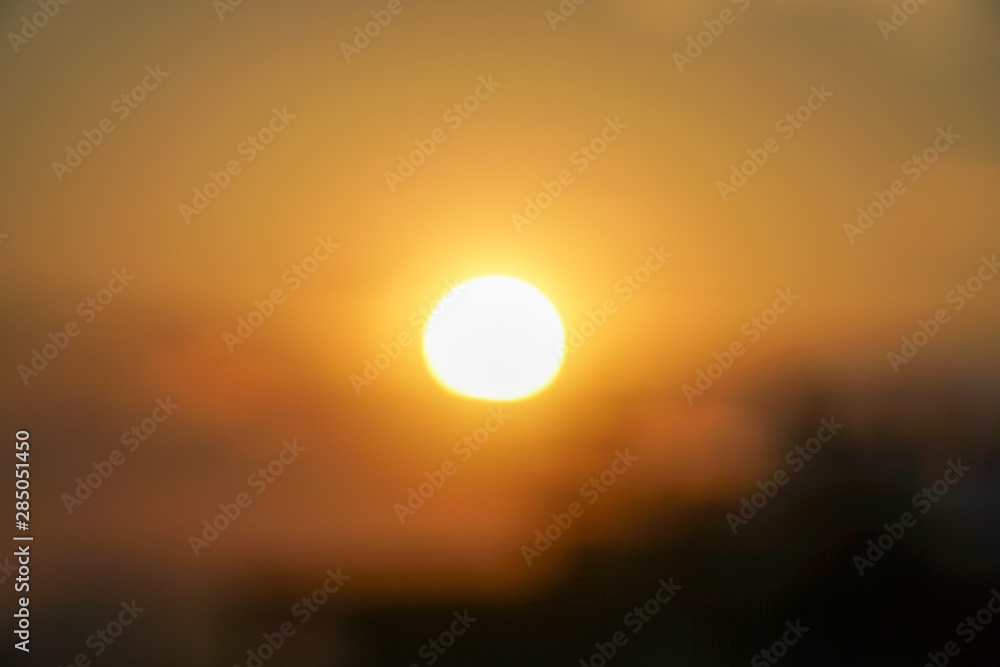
(343,125)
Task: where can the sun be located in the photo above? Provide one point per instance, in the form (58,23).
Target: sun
(496,338)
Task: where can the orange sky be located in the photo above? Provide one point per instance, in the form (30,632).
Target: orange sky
(345,124)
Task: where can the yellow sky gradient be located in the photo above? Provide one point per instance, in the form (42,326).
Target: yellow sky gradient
(324,177)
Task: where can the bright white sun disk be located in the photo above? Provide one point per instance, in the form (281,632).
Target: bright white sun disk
(495,338)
